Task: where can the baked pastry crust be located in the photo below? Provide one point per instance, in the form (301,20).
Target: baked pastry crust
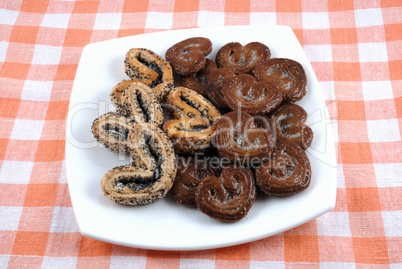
(288,171)
(146,66)
(243,92)
(228,198)
(188,56)
(288,75)
(150,175)
(242,59)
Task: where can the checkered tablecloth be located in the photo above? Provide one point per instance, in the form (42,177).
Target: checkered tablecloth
(356,51)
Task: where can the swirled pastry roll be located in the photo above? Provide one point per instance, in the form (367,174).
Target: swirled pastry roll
(151,174)
(146,66)
(288,171)
(288,122)
(228,198)
(239,139)
(242,59)
(243,92)
(213,85)
(190,171)
(111,130)
(288,75)
(189,56)
(138,102)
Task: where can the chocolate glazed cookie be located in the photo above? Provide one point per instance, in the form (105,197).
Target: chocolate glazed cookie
(229,197)
(243,92)
(188,56)
(288,123)
(146,66)
(213,85)
(195,81)
(190,171)
(151,174)
(288,171)
(288,75)
(242,59)
(239,139)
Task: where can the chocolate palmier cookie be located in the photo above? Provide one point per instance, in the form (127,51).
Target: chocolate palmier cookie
(195,81)
(146,66)
(288,123)
(239,139)
(288,75)
(243,92)
(213,85)
(228,198)
(189,56)
(242,59)
(151,174)
(288,171)
(190,171)
(111,130)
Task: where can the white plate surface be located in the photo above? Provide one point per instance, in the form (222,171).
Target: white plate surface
(166,225)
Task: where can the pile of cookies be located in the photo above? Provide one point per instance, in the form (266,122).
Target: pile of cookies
(229,126)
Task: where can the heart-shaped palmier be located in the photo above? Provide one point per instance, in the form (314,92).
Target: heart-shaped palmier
(228,198)
(213,85)
(190,171)
(239,139)
(243,92)
(195,81)
(288,75)
(188,56)
(146,66)
(150,175)
(137,102)
(242,59)
(111,130)
(190,135)
(288,122)
(288,171)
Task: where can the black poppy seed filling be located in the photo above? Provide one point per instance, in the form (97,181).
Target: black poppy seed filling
(154,66)
(142,106)
(117,131)
(153,150)
(197,106)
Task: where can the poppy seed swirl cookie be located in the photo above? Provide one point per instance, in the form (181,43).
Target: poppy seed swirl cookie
(288,75)
(188,56)
(288,171)
(111,130)
(239,139)
(138,102)
(150,175)
(242,59)
(148,67)
(194,120)
(243,92)
(228,198)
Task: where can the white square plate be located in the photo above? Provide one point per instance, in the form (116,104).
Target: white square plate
(166,225)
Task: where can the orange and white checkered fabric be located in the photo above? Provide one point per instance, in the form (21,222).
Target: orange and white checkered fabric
(356,51)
